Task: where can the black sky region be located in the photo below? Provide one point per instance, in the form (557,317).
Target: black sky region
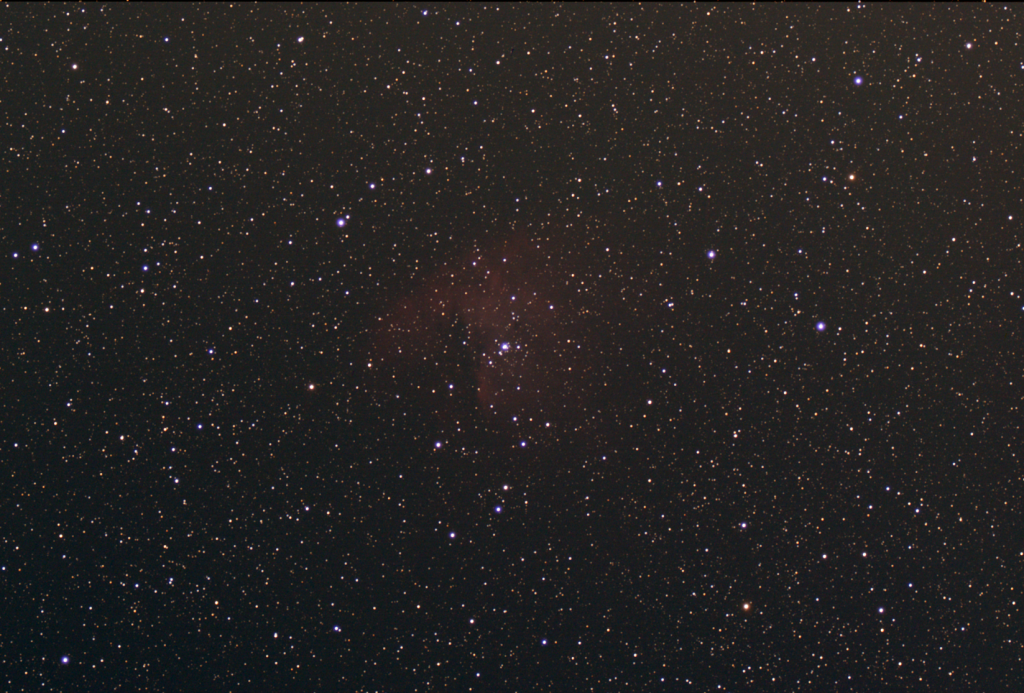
(511,348)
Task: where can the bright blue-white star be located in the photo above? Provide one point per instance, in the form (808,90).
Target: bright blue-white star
(711,254)
(341,222)
(858,80)
(820,327)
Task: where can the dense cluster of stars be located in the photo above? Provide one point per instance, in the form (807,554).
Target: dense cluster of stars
(511,348)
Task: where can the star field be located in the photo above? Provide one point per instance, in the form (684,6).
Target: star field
(511,348)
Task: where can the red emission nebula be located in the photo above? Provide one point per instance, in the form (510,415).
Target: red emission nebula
(522,334)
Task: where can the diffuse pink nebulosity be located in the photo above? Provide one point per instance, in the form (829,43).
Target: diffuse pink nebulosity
(523,334)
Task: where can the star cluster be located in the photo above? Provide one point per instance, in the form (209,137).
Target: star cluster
(511,347)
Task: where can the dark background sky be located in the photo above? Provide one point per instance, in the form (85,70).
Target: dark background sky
(511,348)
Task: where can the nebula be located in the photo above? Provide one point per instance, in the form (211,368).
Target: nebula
(518,334)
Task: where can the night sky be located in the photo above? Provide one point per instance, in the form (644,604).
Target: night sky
(511,348)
